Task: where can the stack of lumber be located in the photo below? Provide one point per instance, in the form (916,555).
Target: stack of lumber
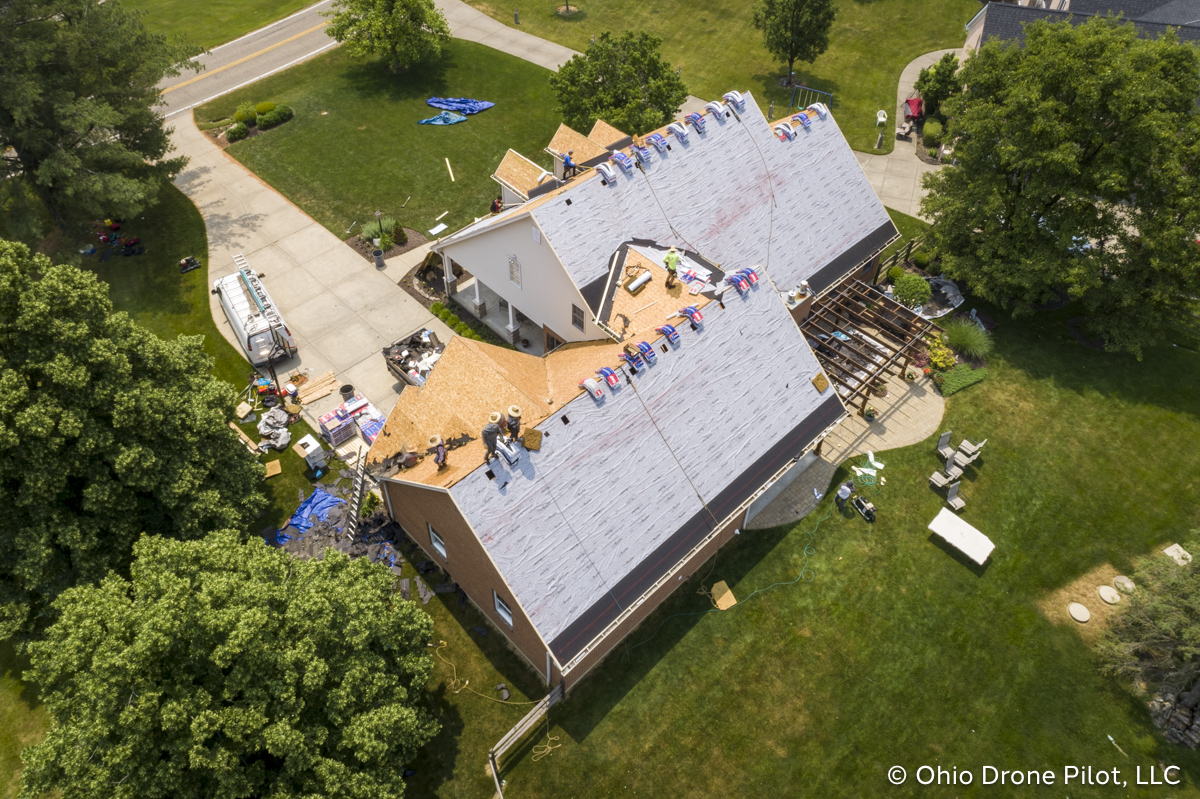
(316,388)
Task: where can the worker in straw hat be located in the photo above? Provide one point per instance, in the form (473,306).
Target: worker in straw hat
(514,422)
(491,435)
(672,263)
(439,446)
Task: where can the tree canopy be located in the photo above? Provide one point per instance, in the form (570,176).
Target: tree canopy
(106,432)
(406,32)
(795,30)
(1153,636)
(1076,169)
(623,80)
(938,83)
(224,670)
(78,85)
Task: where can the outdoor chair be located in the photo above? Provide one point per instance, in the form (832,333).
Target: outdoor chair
(952,469)
(953,499)
(943,446)
(963,461)
(939,479)
(971,448)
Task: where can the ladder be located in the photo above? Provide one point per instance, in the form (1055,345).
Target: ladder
(257,290)
(357,490)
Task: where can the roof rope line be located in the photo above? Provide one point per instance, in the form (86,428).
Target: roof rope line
(774,203)
(579,541)
(664,210)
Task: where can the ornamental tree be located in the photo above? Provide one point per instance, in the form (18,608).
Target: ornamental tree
(106,432)
(78,89)
(223,670)
(795,30)
(623,80)
(937,83)
(1077,168)
(405,32)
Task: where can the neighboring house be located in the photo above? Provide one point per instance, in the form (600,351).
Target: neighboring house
(1152,18)
(625,489)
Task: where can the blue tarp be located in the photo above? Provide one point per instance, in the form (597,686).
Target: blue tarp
(460,104)
(318,504)
(444,118)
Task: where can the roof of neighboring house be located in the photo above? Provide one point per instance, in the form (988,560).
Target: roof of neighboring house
(605,134)
(1006,22)
(568,140)
(619,494)
(519,173)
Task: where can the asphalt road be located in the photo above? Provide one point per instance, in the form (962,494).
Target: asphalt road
(255,55)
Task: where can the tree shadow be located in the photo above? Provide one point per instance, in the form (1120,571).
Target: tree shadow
(576,16)
(642,650)
(13,665)
(433,770)
(371,80)
(766,87)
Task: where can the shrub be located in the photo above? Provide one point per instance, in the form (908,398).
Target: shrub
(264,108)
(452,321)
(921,259)
(940,356)
(933,152)
(370,504)
(436,309)
(960,377)
(912,290)
(462,328)
(967,338)
(895,273)
(385,242)
(932,133)
(237,133)
(245,114)
(274,118)
(399,236)
(377,229)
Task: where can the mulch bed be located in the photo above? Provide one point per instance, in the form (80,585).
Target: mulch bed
(923,150)
(365,248)
(422,291)
(1075,327)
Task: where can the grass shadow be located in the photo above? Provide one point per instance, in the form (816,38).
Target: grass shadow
(958,556)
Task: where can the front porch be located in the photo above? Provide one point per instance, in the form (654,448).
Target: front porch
(498,314)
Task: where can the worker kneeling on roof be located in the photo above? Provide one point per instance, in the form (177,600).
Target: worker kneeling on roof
(439,447)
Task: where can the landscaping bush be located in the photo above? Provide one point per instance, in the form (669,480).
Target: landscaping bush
(452,321)
(912,290)
(932,133)
(895,273)
(436,309)
(960,377)
(387,226)
(967,338)
(921,259)
(264,108)
(462,328)
(237,133)
(275,118)
(245,115)
(941,357)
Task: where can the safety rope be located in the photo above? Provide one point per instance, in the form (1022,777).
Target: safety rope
(456,688)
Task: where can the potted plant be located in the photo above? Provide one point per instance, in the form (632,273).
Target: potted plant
(910,375)
(870,413)
(880,389)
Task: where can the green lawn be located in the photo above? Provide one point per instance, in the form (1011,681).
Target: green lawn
(355,147)
(899,653)
(718,48)
(909,228)
(214,23)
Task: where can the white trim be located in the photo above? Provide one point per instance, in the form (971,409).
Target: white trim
(252,80)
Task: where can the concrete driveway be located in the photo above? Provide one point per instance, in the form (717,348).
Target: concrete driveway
(342,309)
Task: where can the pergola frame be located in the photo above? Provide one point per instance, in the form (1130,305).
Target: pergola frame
(878,327)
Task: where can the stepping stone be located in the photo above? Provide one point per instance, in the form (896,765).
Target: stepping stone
(1079,613)
(1123,583)
(1109,594)
(1178,554)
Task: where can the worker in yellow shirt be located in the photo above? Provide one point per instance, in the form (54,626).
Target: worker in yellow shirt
(672,263)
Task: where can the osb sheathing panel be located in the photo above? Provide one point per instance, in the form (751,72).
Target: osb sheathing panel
(570,363)
(663,302)
(519,172)
(566,139)
(526,372)
(605,134)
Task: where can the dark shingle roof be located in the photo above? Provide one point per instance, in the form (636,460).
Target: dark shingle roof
(1006,22)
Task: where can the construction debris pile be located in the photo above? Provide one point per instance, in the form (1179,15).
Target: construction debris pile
(273,427)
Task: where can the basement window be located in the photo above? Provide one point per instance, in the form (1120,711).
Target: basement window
(503,609)
(577,316)
(439,545)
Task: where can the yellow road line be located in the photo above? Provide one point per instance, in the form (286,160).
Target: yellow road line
(210,73)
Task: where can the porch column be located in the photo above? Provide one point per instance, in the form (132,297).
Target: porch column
(479,306)
(512,328)
(448,272)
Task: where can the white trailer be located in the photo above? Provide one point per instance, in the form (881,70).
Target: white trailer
(257,324)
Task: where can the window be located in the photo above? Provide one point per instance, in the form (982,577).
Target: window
(438,544)
(514,270)
(577,316)
(503,609)
(553,342)
(537,234)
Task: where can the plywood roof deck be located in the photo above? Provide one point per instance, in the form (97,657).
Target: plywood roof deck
(653,303)
(566,139)
(605,134)
(518,173)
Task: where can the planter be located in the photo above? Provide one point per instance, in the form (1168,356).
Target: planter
(377,256)
(870,413)
(910,375)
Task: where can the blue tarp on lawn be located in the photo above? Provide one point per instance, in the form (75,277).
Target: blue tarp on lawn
(318,504)
(444,118)
(460,104)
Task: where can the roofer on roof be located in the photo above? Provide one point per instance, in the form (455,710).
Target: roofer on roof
(491,434)
(672,262)
(569,166)
(440,455)
(514,422)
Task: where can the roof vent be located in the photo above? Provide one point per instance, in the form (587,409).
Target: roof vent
(735,99)
(716,108)
(606,172)
(820,108)
(785,132)
(678,131)
(657,141)
(696,120)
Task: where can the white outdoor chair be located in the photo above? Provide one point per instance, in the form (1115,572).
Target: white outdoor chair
(971,448)
(953,499)
(962,461)
(881,117)
(943,445)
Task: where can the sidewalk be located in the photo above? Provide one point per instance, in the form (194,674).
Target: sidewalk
(896,177)
(342,309)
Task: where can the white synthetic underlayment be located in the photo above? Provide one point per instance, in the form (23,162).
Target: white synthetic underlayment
(735,194)
(630,470)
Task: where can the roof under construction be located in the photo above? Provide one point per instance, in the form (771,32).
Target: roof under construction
(625,486)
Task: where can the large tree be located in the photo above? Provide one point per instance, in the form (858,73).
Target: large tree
(106,432)
(1154,634)
(78,89)
(623,80)
(938,83)
(224,670)
(1076,168)
(795,30)
(406,32)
